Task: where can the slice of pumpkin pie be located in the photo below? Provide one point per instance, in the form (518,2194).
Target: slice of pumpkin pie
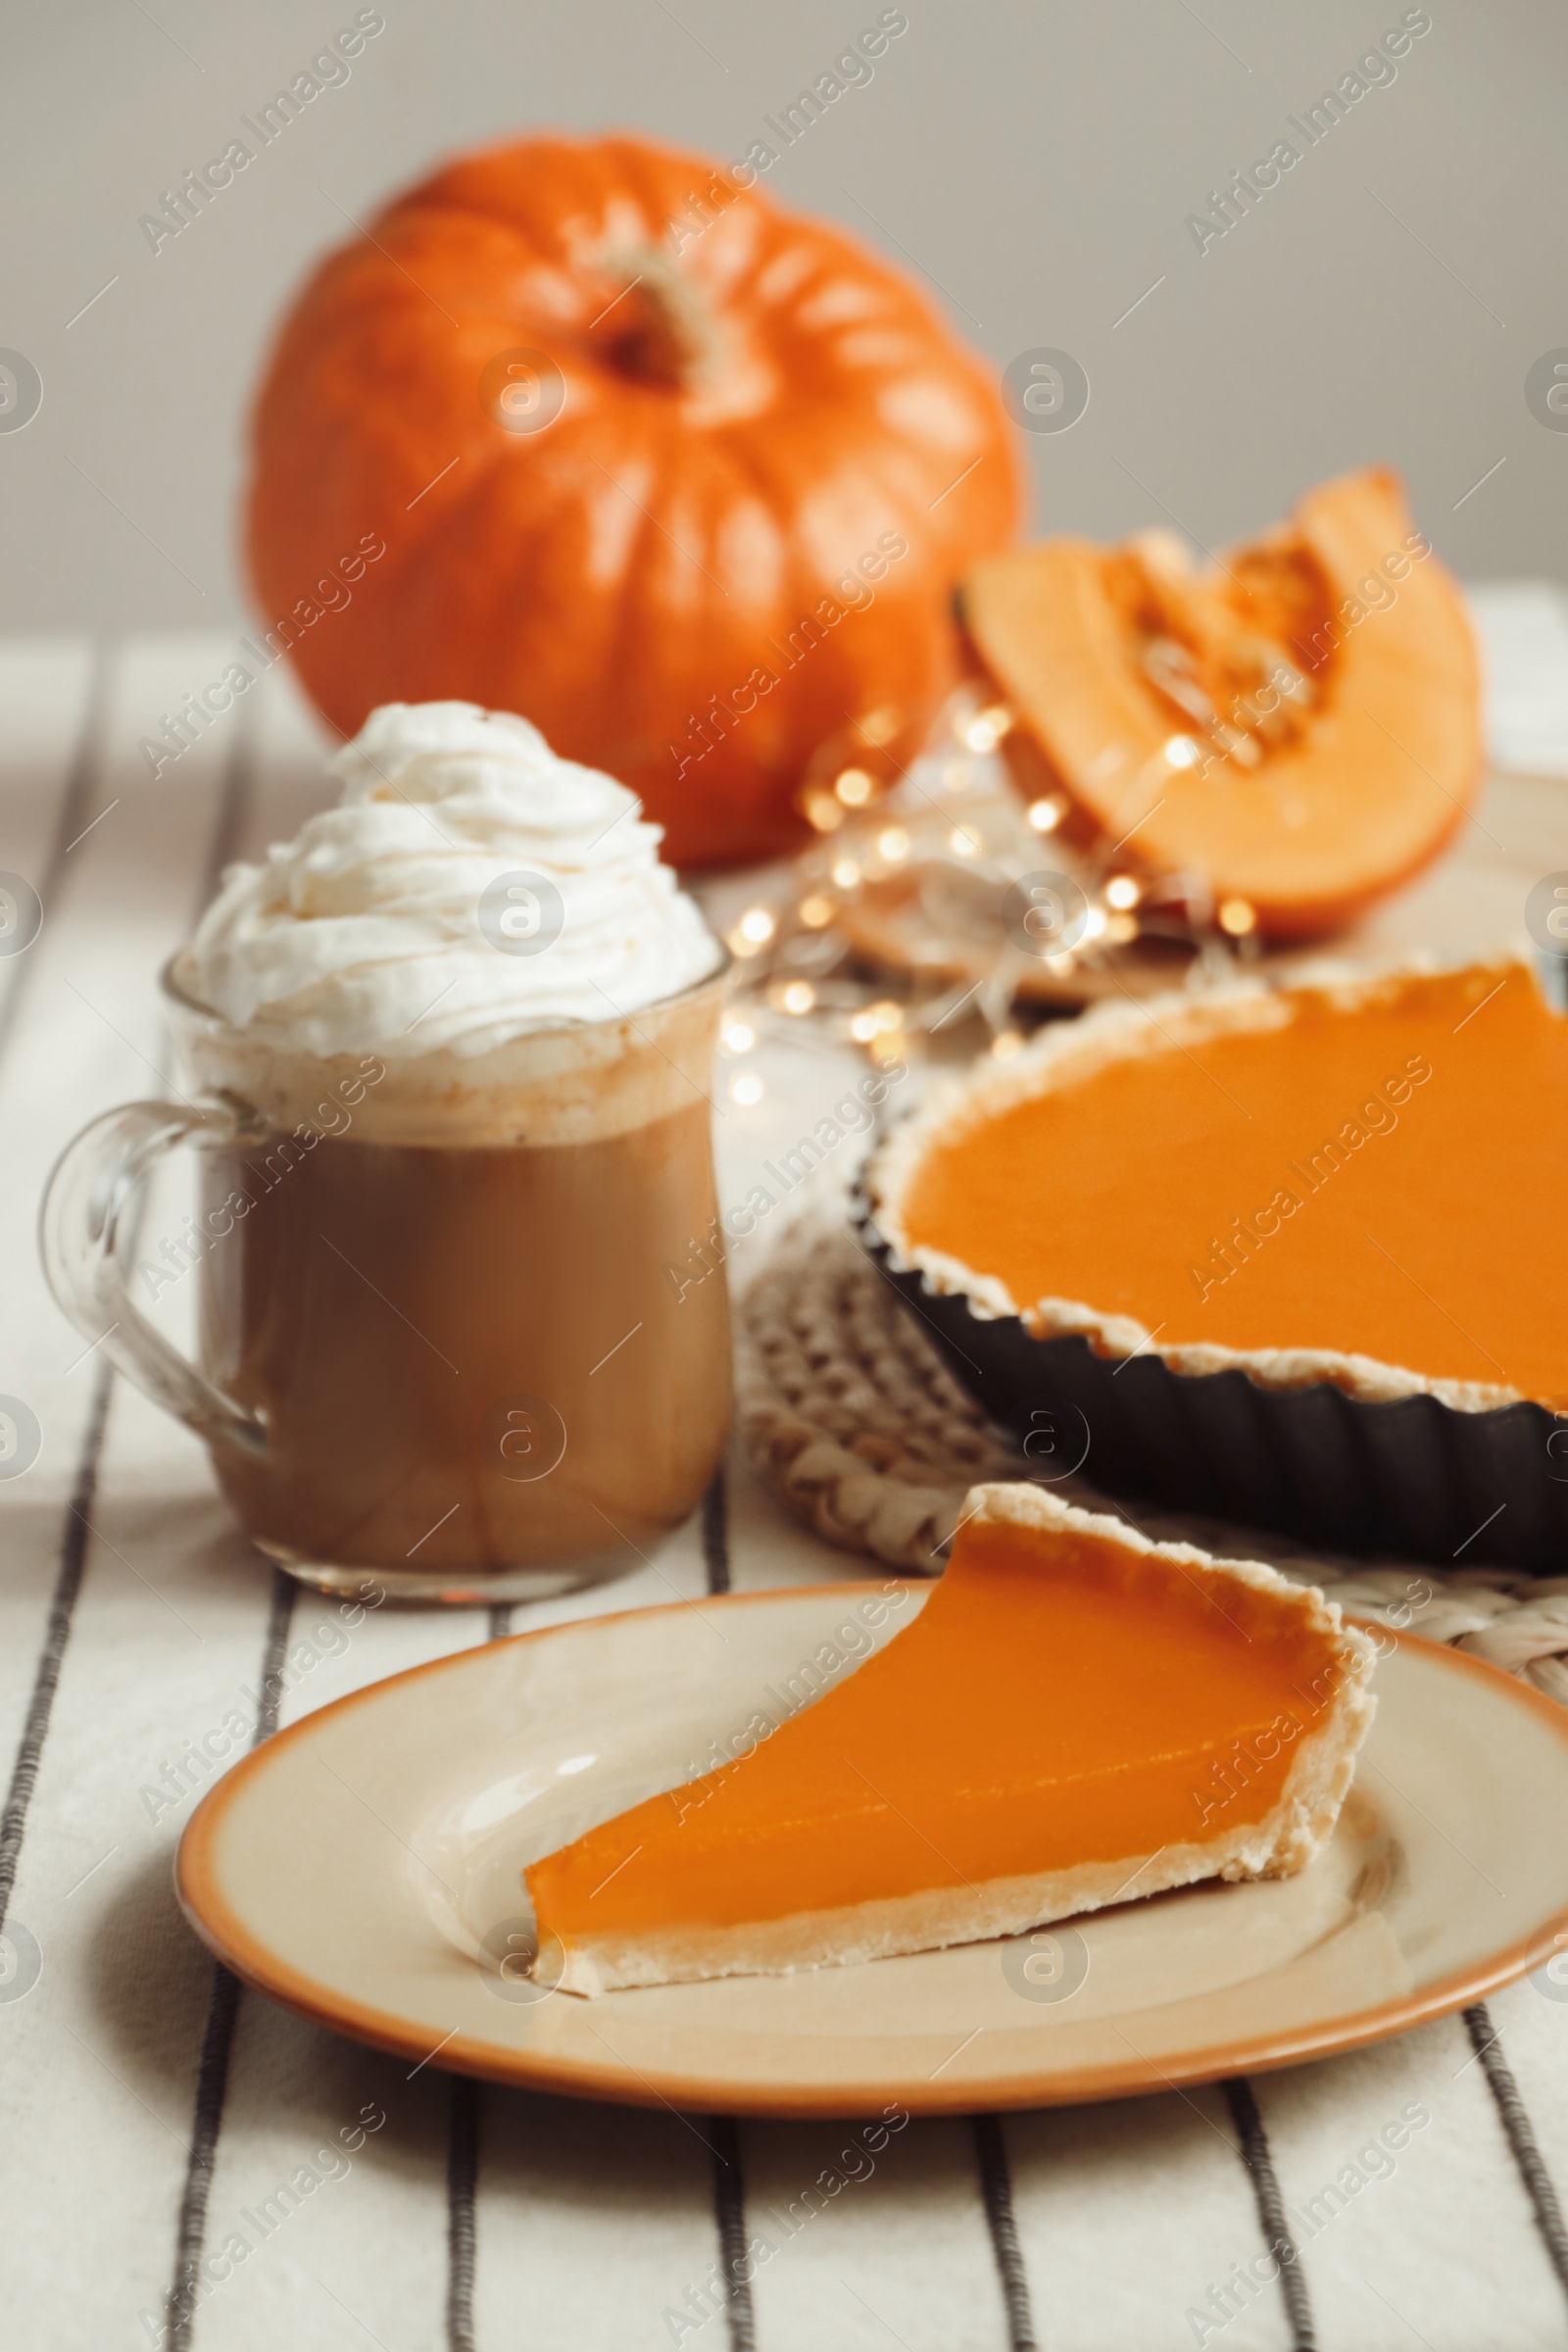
(1076,1716)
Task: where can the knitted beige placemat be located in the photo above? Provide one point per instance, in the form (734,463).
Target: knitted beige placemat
(851,1415)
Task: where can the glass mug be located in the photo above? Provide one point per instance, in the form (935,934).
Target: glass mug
(440,1346)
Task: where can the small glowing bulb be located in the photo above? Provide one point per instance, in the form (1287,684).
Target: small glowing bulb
(1122,892)
(745,1090)
(739,1036)
(887,1015)
(962,843)
(853,787)
(1120,928)
(1238,917)
(985,730)
(894,844)
(799,996)
(1045,815)
(1182,752)
(863,1028)
(845,873)
(758,926)
(824,812)
(1094,924)
(1005,1044)
(816,912)
(878,727)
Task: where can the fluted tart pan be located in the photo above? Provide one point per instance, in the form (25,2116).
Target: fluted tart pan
(1328,1444)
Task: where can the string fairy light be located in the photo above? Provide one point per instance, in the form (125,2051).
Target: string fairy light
(894,931)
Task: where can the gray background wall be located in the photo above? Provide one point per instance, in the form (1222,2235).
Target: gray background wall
(1039,161)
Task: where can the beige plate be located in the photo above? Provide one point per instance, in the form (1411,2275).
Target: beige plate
(354,1866)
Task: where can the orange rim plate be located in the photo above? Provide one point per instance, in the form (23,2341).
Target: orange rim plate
(363,1867)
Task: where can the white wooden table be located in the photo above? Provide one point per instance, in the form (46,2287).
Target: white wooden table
(151,2110)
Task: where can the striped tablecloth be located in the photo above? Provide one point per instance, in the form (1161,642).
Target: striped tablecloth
(185,2165)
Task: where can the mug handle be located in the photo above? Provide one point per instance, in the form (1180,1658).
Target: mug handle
(87,1231)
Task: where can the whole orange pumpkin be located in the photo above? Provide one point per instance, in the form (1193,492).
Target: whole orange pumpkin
(684,479)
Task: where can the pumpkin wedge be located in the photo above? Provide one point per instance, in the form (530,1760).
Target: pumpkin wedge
(1297,728)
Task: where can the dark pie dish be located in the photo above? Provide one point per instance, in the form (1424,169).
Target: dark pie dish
(1318,1427)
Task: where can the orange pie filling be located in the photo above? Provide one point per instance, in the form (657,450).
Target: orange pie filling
(1073,1717)
(1367,1172)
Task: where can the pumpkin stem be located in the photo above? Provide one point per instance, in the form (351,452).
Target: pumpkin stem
(662,330)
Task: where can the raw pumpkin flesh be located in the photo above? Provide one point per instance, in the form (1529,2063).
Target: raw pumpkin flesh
(1379,1181)
(1297,727)
(1062,1700)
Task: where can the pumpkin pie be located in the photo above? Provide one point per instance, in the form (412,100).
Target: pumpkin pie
(1344,1183)
(1076,1716)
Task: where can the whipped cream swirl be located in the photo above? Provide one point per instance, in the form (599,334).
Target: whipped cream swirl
(364,932)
